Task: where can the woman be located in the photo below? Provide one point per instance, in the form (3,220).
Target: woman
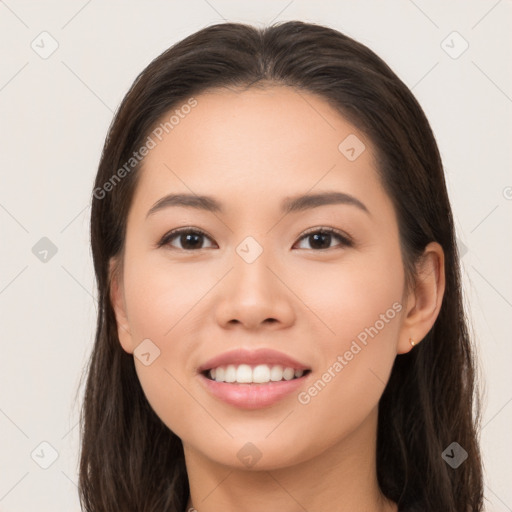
(239,363)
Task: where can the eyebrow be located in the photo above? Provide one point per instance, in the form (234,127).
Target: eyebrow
(289,204)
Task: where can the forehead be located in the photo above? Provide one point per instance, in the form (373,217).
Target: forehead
(256,142)
(277,122)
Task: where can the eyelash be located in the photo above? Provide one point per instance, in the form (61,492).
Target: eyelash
(345,239)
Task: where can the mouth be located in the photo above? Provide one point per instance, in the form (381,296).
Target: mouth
(253,379)
(253,387)
(254,374)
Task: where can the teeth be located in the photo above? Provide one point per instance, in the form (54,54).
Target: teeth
(259,374)
(243,373)
(276,373)
(230,375)
(288,373)
(219,374)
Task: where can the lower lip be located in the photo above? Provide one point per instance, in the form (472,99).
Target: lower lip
(252,396)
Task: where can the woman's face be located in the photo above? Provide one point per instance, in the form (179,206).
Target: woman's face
(262,278)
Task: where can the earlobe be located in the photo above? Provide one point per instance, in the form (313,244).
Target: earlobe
(116,293)
(424,302)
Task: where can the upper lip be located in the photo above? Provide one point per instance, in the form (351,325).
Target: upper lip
(252,357)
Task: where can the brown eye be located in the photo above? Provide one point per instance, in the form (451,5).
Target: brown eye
(193,239)
(321,239)
(189,239)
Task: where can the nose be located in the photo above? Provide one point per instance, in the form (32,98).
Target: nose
(255,295)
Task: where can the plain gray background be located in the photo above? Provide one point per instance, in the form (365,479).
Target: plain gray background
(55,110)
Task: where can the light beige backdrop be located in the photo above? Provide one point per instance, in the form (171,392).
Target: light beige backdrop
(65,66)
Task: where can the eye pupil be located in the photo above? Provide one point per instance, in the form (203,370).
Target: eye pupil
(185,239)
(318,236)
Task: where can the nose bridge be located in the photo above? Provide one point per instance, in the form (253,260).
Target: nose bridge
(251,262)
(253,294)
(251,250)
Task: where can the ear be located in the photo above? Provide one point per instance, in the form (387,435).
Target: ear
(425,300)
(119,305)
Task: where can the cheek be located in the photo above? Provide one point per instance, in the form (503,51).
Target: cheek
(160,296)
(350,295)
(164,305)
(358,312)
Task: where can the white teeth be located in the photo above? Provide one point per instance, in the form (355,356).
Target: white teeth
(244,373)
(288,373)
(259,374)
(276,373)
(219,374)
(230,375)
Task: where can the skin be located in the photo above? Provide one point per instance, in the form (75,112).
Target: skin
(250,150)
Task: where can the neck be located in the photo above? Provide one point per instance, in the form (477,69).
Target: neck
(341,479)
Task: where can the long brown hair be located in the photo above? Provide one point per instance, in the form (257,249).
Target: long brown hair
(129,459)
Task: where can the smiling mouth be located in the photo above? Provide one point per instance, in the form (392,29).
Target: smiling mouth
(253,374)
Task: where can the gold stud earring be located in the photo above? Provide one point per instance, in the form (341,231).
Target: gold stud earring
(411,341)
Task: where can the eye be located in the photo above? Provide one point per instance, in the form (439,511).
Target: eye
(321,238)
(189,238)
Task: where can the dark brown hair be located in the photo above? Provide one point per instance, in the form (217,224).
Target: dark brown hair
(129,459)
